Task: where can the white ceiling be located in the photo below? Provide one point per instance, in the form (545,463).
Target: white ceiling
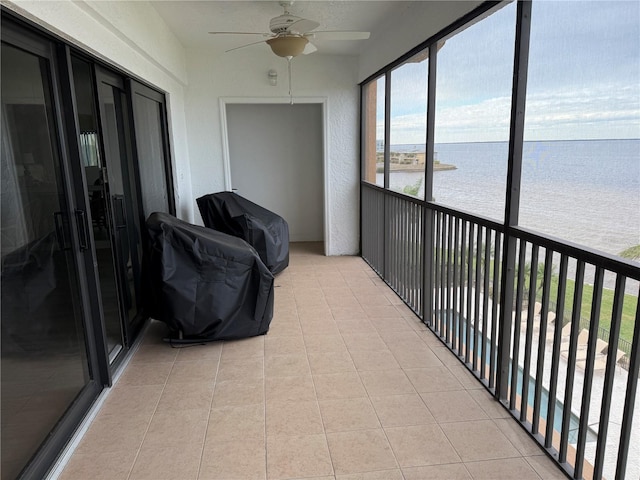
(191,21)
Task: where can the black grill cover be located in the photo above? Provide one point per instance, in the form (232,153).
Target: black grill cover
(265,231)
(205,285)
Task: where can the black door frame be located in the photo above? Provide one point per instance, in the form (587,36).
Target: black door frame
(17,36)
(29,36)
(132,202)
(136,88)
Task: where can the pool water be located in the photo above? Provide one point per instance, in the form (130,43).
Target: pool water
(574,420)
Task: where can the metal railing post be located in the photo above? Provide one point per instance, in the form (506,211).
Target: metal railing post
(512,202)
(427,240)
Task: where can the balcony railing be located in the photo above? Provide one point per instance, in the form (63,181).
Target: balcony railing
(547,357)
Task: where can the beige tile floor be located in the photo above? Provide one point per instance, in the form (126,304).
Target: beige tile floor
(347,385)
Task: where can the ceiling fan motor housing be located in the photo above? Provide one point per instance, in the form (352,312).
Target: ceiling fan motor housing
(282,23)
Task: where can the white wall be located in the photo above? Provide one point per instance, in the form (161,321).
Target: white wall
(411,26)
(243,73)
(132,36)
(276,158)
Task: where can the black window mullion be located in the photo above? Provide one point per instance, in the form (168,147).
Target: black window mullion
(136,88)
(387,127)
(512,201)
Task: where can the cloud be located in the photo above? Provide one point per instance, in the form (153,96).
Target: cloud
(486,121)
(602,111)
(409,129)
(583,78)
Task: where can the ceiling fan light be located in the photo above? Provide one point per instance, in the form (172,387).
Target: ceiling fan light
(287,46)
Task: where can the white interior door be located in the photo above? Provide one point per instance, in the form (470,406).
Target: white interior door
(276,160)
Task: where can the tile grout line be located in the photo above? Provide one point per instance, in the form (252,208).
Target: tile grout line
(348,352)
(135,459)
(65,457)
(423,402)
(318,269)
(315,391)
(206,430)
(264,395)
(395,456)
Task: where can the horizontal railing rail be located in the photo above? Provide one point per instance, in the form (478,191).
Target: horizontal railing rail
(574,347)
(620,265)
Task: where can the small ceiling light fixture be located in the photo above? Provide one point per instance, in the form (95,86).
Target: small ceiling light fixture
(273,77)
(288,45)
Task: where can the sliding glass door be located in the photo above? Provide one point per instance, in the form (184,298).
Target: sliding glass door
(121,194)
(78,177)
(44,360)
(152,148)
(106,154)
(95,173)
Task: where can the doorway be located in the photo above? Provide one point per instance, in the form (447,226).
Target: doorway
(276,158)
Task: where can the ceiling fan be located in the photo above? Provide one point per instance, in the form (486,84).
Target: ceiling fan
(291,36)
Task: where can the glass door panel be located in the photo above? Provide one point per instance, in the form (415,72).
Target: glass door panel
(121,193)
(152,149)
(95,171)
(44,353)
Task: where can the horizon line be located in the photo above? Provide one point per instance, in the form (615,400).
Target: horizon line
(527,141)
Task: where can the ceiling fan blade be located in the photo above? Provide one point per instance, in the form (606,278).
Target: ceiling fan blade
(339,35)
(243,46)
(302,26)
(241,33)
(309,48)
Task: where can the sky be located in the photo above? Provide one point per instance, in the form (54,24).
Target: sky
(583,78)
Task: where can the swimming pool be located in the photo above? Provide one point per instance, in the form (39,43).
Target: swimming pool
(574,420)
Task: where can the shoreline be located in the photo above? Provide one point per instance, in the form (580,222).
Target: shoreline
(395,167)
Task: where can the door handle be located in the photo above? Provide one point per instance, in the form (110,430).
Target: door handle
(58,220)
(120,212)
(83,233)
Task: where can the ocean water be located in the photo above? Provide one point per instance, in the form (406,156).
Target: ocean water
(587,192)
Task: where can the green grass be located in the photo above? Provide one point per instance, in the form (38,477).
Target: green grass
(628,307)
(630,303)
(632,253)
